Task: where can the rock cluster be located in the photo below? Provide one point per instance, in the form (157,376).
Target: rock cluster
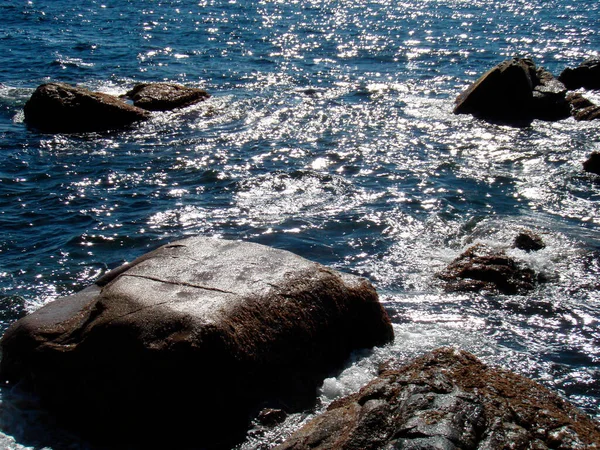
(516,92)
(62,108)
(192,340)
(448,400)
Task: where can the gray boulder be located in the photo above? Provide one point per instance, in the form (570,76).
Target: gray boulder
(165,96)
(586,75)
(188,342)
(448,400)
(62,108)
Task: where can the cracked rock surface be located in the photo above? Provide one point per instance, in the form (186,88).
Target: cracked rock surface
(448,400)
(192,340)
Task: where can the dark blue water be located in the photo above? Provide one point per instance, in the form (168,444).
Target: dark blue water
(330,133)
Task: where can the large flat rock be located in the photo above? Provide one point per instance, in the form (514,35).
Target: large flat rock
(191,340)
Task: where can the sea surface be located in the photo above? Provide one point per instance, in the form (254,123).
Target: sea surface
(329,133)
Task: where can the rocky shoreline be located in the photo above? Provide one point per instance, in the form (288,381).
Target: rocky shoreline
(205,336)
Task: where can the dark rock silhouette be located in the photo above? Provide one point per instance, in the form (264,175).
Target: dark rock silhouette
(529,241)
(504,94)
(586,75)
(192,339)
(448,399)
(62,108)
(165,96)
(592,164)
(481,268)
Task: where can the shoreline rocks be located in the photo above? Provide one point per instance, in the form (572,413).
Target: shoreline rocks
(448,399)
(192,339)
(515,92)
(62,108)
(586,75)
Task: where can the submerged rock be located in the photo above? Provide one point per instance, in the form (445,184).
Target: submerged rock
(449,400)
(192,340)
(592,164)
(165,96)
(481,268)
(586,75)
(62,108)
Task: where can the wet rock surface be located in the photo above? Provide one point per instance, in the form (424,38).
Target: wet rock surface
(62,108)
(165,96)
(448,400)
(192,340)
(582,108)
(481,268)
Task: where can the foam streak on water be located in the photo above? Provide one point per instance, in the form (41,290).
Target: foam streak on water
(330,133)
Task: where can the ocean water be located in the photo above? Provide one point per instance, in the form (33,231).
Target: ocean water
(329,133)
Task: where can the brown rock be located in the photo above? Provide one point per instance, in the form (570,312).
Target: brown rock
(190,339)
(480,268)
(165,96)
(448,399)
(61,108)
(549,102)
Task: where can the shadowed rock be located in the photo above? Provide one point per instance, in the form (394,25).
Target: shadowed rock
(582,108)
(549,102)
(61,108)
(586,75)
(515,92)
(191,340)
(529,241)
(448,400)
(503,94)
(592,164)
(480,268)
(165,96)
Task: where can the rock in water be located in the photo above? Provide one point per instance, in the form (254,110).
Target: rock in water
(481,268)
(586,75)
(190,340)
(165,96)
(592,164)
(582,108)
(61,108)
(504,94)
(529,241)
(448,400)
